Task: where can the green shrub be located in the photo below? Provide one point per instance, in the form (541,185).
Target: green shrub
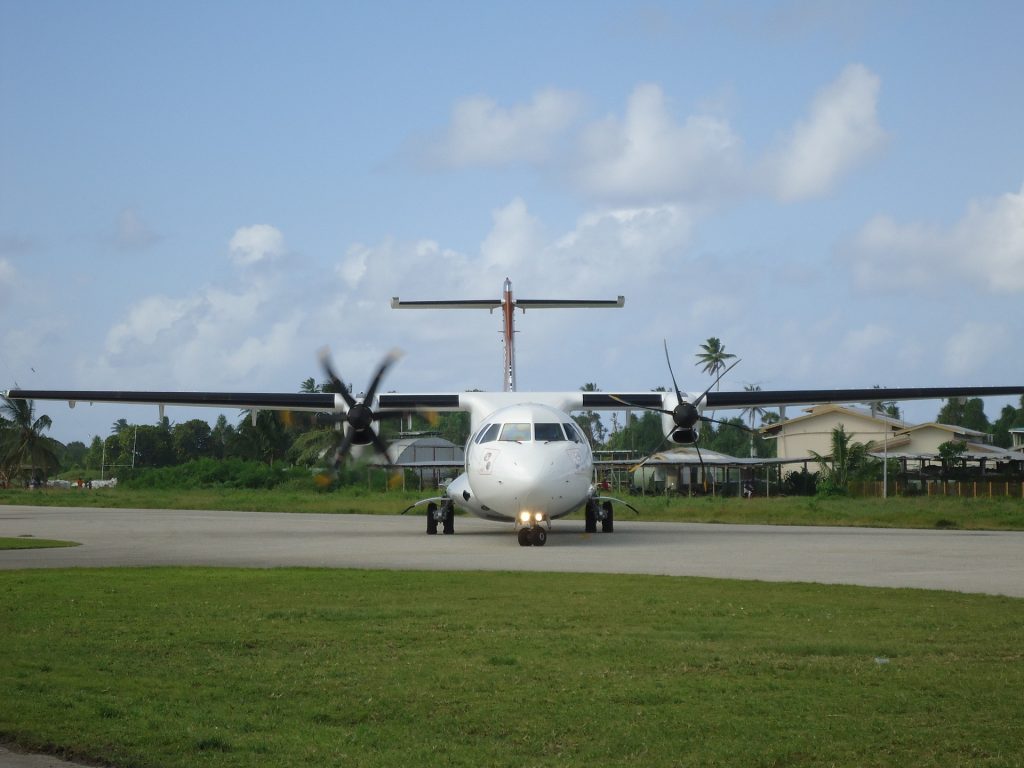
(207,473)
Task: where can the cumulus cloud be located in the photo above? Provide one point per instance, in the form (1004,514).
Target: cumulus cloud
(515,239)
(985,248)
(482,133)
(648,156)
(256,244)
(840,133)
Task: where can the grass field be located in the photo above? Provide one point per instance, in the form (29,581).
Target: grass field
(999,513)
(27,542)
(186,667)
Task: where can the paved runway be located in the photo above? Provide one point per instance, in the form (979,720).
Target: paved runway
(966,561)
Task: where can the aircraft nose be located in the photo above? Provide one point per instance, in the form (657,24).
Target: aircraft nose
(544,477)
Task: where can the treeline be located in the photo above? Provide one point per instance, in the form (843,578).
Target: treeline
(274,438)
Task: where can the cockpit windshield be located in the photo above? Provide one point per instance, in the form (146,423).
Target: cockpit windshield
(573,433)
(548,432)
(516,432)
(488,434)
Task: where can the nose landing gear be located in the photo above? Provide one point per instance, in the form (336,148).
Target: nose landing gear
(532,533)
(444,514)
(599,511)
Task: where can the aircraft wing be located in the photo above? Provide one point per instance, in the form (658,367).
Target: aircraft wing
(269,401)
(724,400)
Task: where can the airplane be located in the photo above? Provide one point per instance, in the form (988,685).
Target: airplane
(526,460)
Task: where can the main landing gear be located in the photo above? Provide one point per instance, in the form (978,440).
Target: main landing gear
(599,511)
(531,532)
(443,514)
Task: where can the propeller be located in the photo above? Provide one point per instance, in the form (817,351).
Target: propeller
(685,415)
(359,417)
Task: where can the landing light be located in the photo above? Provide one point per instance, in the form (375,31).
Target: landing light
(538,516)
(524,517)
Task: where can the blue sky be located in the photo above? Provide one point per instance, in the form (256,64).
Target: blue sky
(201,195)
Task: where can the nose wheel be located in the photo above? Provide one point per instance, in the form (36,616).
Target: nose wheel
(532,537)
(595,513)
(443,515)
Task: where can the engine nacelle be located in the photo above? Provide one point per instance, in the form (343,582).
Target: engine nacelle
(684,436)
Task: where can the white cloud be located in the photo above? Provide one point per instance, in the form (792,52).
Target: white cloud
(256,244)
(973,347)
(146,321)
(985,247)
(841,132)
(481,133)
(648,156)
(515,239)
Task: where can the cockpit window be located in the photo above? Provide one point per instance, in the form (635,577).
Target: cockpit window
(488,434)
(573,433)
(548,432)
(517,432)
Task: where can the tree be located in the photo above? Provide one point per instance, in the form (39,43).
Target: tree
(713,357)
(24,449)
(642,435)
(750,413)
(267,440)
(968,413)
(190,440)
(1009,418)
(846,457)
(590,421)
(222,438)
(952,454)
(144,445)
(74,455)
(94,458)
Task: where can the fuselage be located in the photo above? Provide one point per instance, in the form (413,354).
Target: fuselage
(526,457)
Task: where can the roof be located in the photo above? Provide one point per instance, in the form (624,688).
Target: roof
(821,410)
(952,428)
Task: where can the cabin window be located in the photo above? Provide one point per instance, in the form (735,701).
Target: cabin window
(573,433)
(488,434)
(548,432)
(516,432)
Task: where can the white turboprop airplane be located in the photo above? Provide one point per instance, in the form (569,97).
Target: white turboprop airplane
(526,461)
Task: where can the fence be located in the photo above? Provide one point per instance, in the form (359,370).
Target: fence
(969,489)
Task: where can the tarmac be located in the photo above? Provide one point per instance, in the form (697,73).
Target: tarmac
(964,561)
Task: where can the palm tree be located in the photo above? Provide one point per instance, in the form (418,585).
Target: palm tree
(713,357)
(751,413)
(846,457)
(23,446)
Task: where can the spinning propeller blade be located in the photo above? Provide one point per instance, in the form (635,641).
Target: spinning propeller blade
(357,422)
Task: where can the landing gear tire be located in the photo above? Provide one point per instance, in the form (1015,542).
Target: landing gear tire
(532,537)
(590,517)
(431,519)
(449,519)
(608,519)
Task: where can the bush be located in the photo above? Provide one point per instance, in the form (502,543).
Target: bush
(206,473)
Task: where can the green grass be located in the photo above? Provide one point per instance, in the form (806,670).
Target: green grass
(27,542)
(218,667)
(998,513)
